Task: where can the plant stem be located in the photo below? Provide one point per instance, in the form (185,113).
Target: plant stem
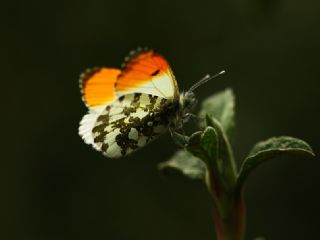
(229,210)
(229,218)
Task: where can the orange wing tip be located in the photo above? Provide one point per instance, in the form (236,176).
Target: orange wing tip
(86,75)
(98,85)
(141,66)
(133,54)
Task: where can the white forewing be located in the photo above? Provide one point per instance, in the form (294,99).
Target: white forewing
(163,86)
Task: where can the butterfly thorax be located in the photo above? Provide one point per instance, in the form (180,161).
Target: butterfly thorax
(182,108)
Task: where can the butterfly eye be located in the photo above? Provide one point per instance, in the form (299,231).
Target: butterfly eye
(189,100)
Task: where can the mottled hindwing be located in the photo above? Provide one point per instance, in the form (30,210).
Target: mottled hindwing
(131,122)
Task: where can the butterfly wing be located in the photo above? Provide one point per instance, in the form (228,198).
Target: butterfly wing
(97,86)
(146,71)
(128,108)
(127,124)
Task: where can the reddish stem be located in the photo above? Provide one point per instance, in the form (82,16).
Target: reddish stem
(230,224)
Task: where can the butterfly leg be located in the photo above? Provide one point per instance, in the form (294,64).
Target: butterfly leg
(179,139)
(188,116)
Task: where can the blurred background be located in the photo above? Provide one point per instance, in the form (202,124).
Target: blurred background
(53,186)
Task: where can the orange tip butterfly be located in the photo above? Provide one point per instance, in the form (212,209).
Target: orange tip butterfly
(131,106)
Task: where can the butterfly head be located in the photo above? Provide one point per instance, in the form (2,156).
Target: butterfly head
(188,101)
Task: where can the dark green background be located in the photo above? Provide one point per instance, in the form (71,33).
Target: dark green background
(53,186)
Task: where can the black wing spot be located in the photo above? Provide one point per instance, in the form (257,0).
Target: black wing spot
(121,98)
(155,73)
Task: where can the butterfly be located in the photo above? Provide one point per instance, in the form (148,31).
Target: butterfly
(131,106)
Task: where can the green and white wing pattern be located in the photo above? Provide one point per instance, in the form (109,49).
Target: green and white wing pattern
(127,124)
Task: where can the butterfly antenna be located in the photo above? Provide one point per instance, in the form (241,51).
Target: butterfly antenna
(205,79)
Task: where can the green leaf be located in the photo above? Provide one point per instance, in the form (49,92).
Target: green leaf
(202,153)
(209,143)
(194,146)
(204,145)
(225,161)
(221,107)
(271,148)
(185,163)
(283,143)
